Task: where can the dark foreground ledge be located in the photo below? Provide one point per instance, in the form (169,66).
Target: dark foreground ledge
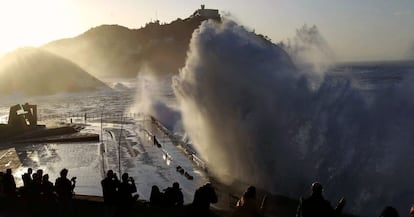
(92,206)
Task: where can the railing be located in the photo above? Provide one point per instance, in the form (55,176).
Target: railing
(182,145)
(89,116)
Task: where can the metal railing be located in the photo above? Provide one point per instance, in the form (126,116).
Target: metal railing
(88,116)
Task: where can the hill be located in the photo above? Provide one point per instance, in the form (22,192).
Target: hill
(116,51)
(33,71)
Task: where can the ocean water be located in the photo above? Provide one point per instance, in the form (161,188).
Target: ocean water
(351,129)
(88,161)
(353,134)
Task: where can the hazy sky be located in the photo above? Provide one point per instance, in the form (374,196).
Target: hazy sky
(355,29)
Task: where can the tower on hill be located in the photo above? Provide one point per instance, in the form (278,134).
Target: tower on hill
(207,13)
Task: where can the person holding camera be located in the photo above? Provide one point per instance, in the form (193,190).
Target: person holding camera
(64,189)
(125,191)
(110,186)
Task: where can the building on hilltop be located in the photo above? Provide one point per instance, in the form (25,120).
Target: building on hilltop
(206,13)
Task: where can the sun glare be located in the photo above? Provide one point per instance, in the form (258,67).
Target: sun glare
(32,23)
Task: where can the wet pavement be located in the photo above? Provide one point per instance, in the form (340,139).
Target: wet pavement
(146,163)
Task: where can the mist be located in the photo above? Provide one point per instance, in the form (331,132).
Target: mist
(310,52)
(23,73)
(256,117)
(153,98)
(232,102)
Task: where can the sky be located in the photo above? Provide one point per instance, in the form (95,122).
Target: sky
(357,30)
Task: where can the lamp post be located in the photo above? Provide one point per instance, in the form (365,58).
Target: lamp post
(102,144)
(119,145)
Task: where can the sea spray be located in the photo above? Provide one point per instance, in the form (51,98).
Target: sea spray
(237,93)
(152,98)
(254,117)
(311,53)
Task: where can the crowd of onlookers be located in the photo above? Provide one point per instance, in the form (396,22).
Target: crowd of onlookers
(43,198)
(118,196)
(38,195)
(316,205)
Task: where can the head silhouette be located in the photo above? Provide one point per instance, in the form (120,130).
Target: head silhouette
(110,174)
(64,173)
(45,178)
(176,185)
(208,185)
(389,211)
(125,177)
(317,188)
(250,192)
(155,189)
(412,211)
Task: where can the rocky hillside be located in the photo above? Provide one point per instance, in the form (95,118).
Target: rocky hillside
(116,51)
(33,71)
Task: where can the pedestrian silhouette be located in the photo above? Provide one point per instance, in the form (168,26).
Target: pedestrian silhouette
(203,197)
(64,189)
(9,185)
(125,191)
(39,173)
(1,185)
(36,186)
(247,205)
(317,206)
(156,197)
(48,198)
(47,186)
(35,190)
(27,177)
(173,195)
(110,186)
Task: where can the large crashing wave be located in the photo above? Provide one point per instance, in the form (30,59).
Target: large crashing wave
(255,118)
(232,102)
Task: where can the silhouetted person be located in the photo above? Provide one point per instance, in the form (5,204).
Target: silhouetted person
(64,189)
(34,193)
(317,206)
(27,181)
(9,190)
(156,197)
(125,191)
(156,143)
(27,177)
(9,185)
(110,186)
(247,205)
(1,185)
(173,195)
(47,186)
(389,211)
(36,186)
(2,195)
(203,197)
(48,197)
(39,173)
